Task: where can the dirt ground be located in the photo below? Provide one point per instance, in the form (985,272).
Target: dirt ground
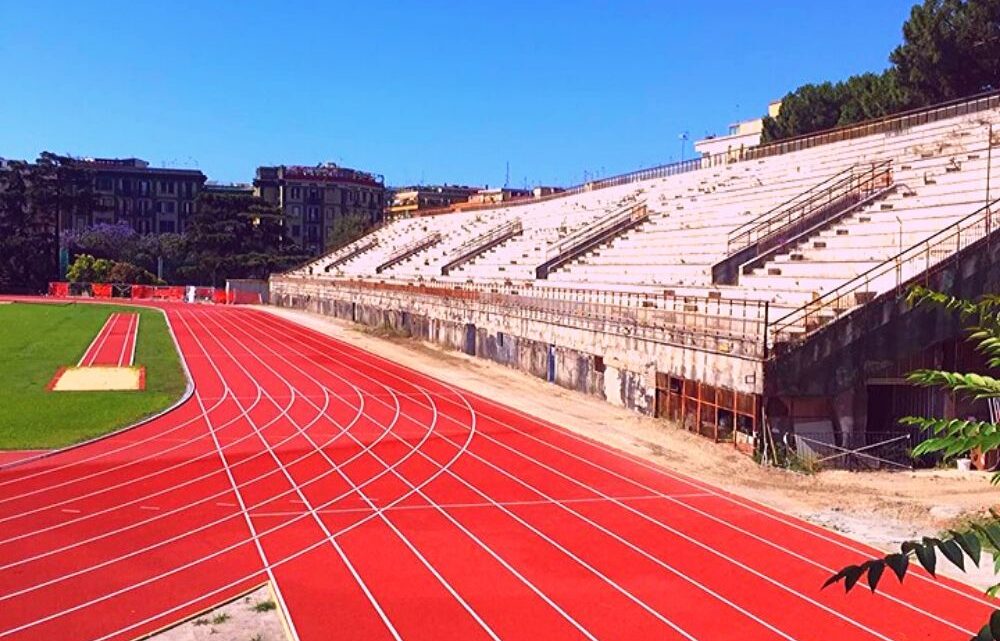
(243,619)
(878,508)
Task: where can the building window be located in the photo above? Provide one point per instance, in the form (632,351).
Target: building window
(104,183)
(312,214)
(296,193)
(167,227)
(296,230)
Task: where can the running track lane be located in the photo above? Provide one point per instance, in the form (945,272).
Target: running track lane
(115,344)
(384,504)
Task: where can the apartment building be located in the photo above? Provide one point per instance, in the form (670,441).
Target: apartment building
(150,199)
(314,199)
(408,201)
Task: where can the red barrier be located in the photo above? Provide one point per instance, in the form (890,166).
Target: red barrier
(101,290)
(59,289)
(147,292)
(142,291)
(169,293)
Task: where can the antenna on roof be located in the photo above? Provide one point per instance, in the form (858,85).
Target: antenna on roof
(506,179)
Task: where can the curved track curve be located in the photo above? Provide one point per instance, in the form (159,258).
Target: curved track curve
(384,504)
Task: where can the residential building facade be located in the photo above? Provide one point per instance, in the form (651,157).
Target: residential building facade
(150,199)
(742,135)
(314,199)
(498,195)
(407,201)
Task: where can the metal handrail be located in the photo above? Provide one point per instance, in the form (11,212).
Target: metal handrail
(511,227)
(786,204)
(731,326)
(629,213)
(408,249)
(374,229)
(349,251)
(925,255)
(858,180)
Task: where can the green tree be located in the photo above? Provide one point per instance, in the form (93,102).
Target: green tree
(346,230)
(36,200)
(122,272)
(951,437)
(950,49)
(807,109)
(237,236)
(812,108)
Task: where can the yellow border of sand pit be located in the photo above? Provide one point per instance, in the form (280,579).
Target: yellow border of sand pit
(98,378)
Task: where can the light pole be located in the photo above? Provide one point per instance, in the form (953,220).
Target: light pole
(683,138)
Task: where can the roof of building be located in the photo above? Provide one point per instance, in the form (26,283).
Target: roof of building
(135,166)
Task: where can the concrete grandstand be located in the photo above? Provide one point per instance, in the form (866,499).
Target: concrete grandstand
(733,291)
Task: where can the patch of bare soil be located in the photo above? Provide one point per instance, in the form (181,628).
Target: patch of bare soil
(877,508)
(252,617)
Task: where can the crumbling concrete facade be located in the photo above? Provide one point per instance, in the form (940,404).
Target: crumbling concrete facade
(609,362)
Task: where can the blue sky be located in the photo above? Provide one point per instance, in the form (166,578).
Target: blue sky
(418,91)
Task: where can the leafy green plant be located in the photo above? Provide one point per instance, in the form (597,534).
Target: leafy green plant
(220,618)
(264,606)
(951,437)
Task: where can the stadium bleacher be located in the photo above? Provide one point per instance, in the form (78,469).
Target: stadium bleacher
(938,172)
(721,259)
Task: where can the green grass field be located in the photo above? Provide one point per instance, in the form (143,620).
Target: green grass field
(37,339)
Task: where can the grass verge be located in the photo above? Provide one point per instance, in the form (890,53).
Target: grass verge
(37,339)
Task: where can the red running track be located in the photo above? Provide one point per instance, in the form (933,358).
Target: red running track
(384,504)
(115,344)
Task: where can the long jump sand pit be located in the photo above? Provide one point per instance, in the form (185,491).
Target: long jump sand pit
(98,378)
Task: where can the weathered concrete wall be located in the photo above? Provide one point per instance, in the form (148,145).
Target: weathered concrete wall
(843,355)
(561,354)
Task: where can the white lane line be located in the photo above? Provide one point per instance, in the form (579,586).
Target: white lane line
(98,342)
(127,339)
(131,462)
(249,523)
(243,580)
(474,505)
(135,340)
(268,501)
(418,490)
(341,349)
(674,498)
(174,538)
(748,504)
(291,481)
(712,550)
(430,428)
(446,469)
